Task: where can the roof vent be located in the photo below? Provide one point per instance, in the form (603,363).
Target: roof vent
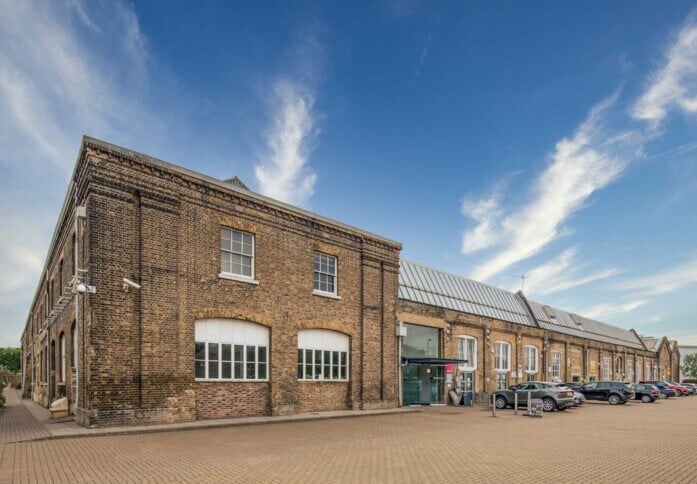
(237,183)
(549,312)
(576,319)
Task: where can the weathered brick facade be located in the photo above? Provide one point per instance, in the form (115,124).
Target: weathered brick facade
(160,226)
(129,353)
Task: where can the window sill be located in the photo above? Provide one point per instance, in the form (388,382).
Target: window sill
(325,294)
(235,277)
(226,380)
(303,380)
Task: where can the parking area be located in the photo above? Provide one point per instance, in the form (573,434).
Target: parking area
(627,442)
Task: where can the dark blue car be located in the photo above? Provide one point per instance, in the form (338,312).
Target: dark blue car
(665,391)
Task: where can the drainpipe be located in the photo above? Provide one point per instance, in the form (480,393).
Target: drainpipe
(77,312)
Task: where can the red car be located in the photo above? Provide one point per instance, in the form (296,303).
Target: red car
(679,389)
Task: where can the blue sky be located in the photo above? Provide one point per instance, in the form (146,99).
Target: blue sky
(552,139)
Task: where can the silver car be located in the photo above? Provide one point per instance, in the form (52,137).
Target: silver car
(579,398)
(551,396)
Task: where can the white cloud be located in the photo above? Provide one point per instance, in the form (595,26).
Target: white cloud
(286,176)
(609,309)
(486,212)
(56,84)
(562,273)
(591,159)
(674,85)
(663,282)
(283,172)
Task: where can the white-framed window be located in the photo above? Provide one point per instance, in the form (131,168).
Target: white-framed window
(61,343)
(324,274)
(647,372)
(638,371)
(502,356)
(606,368)
(556,366)
(323,354)
(236,253)
(467,350)
(502,381)
(230,350)
(531,359)
(618,368)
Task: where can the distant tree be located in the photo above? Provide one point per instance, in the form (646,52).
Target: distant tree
(689,365)
(10,358)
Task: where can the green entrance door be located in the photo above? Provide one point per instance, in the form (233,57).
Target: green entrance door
(423,385)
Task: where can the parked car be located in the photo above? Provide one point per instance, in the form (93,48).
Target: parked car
(687,389)
(551,396)
(575,386)
(691,387)
(665,392)
(579,398)
(679,389)
(613,392)
(646,393)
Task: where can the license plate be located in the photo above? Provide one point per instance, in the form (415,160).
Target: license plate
(569,394)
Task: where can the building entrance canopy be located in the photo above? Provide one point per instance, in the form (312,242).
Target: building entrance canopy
(431,361)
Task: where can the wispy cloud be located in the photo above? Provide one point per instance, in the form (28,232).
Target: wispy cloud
(561,274)
(285,175)
(283,172)
(591,159)
(611,309)
(662,282)
(674,85)
(56,85)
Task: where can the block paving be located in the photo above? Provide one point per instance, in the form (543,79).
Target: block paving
(634,442)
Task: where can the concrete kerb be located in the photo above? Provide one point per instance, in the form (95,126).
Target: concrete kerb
(57,434)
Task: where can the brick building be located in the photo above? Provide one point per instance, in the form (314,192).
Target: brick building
(205,295)
(501,338)
(168,295)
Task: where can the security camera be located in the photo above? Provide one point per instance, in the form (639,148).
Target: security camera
(129,283)
(81,288)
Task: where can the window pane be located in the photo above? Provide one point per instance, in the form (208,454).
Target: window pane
(200,351)
(212,369)
(227,352)
(318,364)
(239,355)
(200,367)
(251,365)
(262,371)
(308,364)
(343,372)
(227,370)
(262,354)
(335,365)
(344,357)
(327,364)
(225,234)
(213,352)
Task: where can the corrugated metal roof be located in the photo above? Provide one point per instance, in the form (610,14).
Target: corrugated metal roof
(568,323)
(426,285)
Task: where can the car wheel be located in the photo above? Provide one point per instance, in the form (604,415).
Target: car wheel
(548,405)
(501,402)
(613,399)
(646,399)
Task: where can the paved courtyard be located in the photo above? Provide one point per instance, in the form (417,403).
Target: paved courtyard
(644,442)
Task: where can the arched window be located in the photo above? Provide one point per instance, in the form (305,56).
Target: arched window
(228,349)
(322,355)
(467,350)
(531,359)
(502,363)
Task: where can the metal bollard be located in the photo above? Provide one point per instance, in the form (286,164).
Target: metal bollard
(529,402)
(515,403)
(493,405)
